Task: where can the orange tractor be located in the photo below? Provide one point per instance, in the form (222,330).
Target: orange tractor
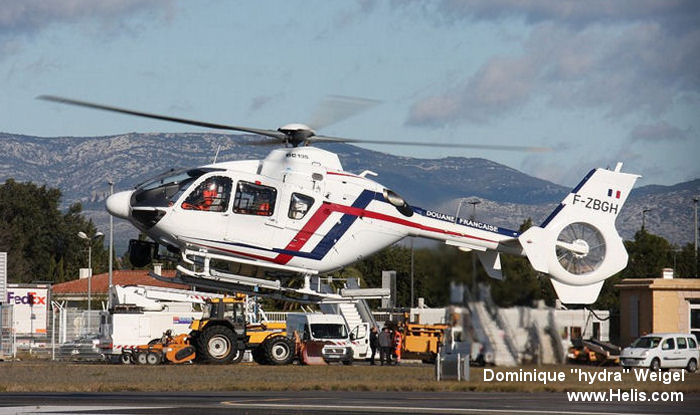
(175,349)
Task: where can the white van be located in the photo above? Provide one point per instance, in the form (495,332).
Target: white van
(662,351)
(328,331)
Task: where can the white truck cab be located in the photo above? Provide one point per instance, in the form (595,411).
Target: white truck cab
(662,351)
(328,331)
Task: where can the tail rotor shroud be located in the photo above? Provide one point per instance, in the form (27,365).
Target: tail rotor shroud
(580,248)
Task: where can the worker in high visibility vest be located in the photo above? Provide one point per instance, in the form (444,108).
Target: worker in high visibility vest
(398,338)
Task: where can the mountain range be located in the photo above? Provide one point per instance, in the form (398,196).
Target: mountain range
(82,166)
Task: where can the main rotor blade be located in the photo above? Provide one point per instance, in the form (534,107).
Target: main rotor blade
(269,133)
(327,139)
(336,108)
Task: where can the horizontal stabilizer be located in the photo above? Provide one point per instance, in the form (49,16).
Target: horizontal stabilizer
(577,294)
(491,260)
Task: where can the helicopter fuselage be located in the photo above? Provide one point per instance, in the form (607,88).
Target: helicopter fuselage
(296,208)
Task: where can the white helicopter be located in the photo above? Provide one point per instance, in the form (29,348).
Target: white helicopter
(298,212)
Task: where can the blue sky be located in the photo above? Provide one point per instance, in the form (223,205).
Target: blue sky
(597,81)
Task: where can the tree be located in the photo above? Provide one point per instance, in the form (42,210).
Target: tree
(522,285)
(41,241)
(648,255)
(685,262)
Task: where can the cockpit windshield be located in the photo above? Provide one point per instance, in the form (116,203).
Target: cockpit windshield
(646,342)
(329,331)
(166,188)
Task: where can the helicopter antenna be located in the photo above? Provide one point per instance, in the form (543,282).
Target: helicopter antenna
(217,153)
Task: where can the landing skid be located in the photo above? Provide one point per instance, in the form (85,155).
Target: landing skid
(211,279)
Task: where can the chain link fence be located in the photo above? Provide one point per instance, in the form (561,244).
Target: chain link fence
(7,334)
(71,334)
(75,333)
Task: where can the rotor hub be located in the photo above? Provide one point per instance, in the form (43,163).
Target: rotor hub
(297,134)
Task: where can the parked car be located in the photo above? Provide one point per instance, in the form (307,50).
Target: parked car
(662,351)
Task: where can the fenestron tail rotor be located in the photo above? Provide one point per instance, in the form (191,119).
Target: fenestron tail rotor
(580,248)
(336,108)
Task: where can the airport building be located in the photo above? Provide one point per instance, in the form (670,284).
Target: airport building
(75,292)
(658,305)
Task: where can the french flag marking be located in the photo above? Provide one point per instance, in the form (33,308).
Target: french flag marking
(615,192)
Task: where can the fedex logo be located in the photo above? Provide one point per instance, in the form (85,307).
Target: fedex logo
(31,298)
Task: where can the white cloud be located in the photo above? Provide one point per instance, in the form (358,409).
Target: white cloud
(660,131)
(574,12)
(20,20)
(259,102)
(622,57)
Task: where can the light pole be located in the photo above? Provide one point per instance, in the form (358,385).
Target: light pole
(111,250)
(83,235)
(644,216)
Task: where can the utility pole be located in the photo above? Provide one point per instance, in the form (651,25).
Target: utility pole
(474,202)
(695,214)
(412,303)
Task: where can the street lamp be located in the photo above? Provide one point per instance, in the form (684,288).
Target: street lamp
(83,235)
(460,202)
(474,202)
(464,200)
(644,215)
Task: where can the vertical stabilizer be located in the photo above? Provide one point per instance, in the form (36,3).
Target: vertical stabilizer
(578,244)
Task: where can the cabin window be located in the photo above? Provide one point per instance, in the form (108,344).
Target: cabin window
(212,195)
(668,344)
(254,199)
(299,205)
(681,343)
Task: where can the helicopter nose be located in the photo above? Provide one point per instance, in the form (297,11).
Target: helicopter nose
(119,204)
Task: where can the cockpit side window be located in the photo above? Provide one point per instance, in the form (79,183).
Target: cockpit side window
(299,205)
(167,188)
(254,199)
(212,195)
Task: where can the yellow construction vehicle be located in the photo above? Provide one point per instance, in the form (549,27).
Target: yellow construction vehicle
(223,335)
(421,341)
